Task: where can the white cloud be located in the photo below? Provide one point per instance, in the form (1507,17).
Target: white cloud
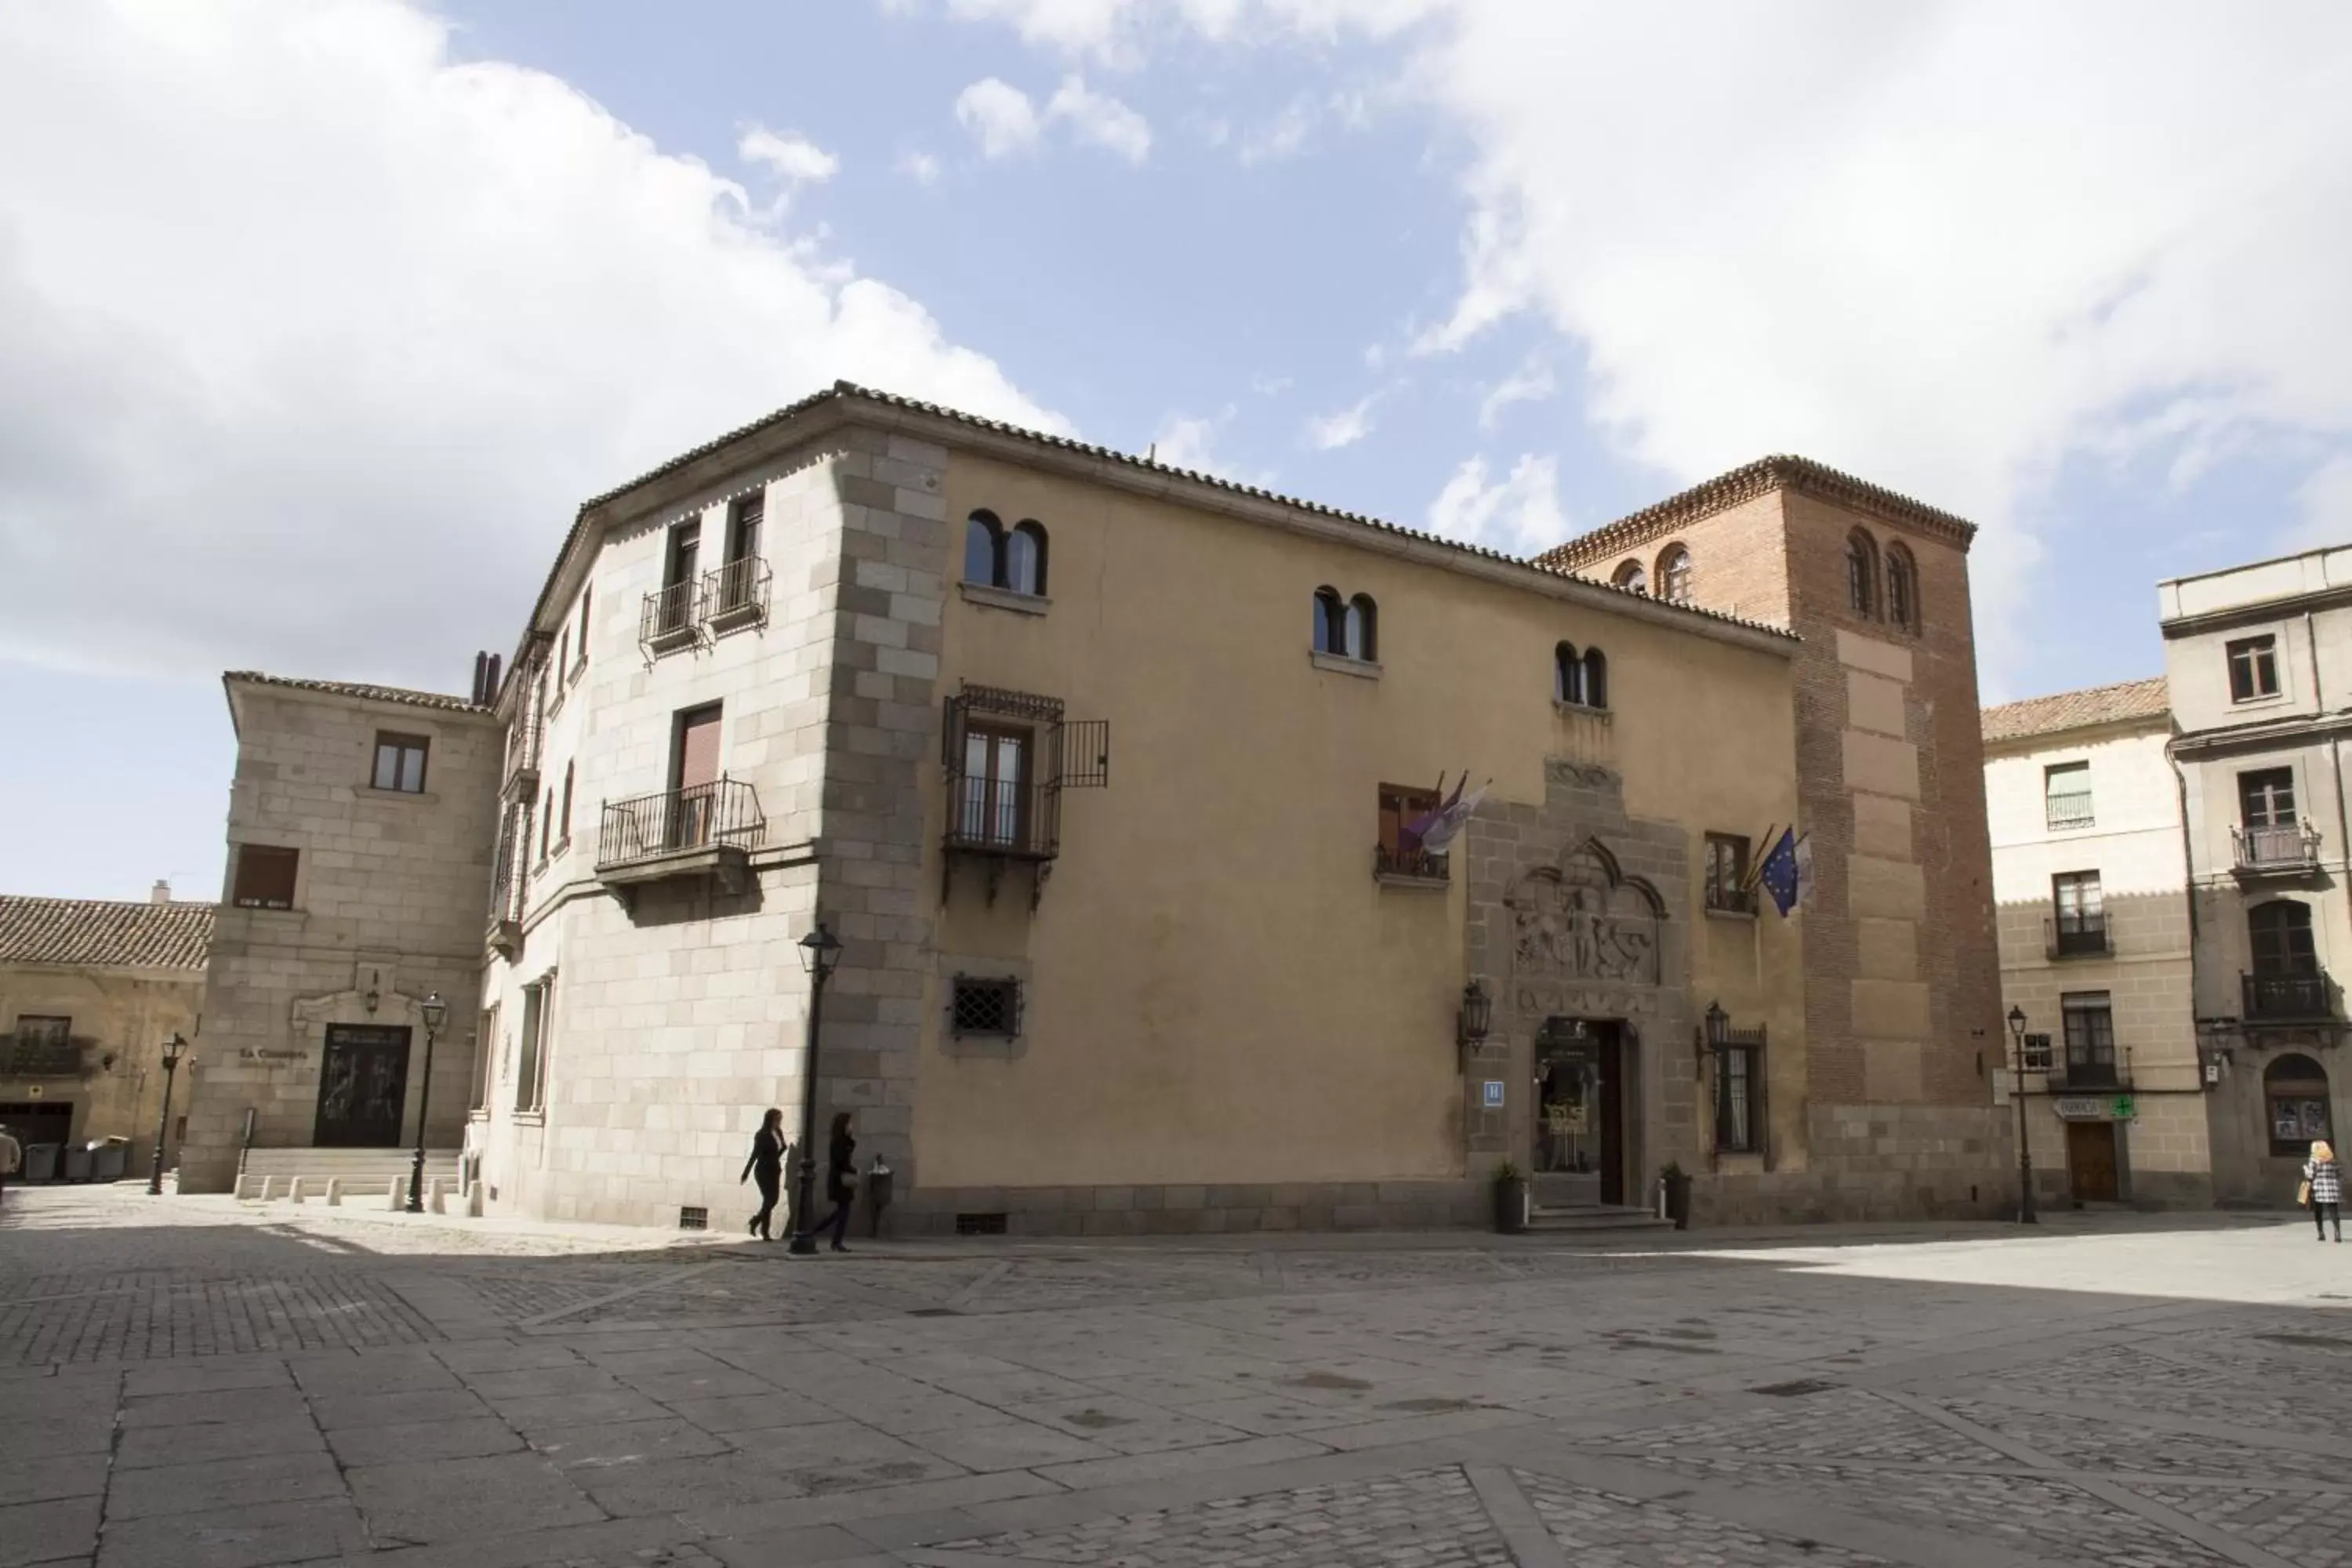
(921,167)
(317,383)
(1192,441)
(1270,385)
(999,116)
(795,160)
(1102,120)
(1531,383)
(1328,432)
(2325,503)
(1097,29)
(1520,515)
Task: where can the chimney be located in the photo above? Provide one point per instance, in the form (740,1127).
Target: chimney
(481,663)
(162,893)
(490,681)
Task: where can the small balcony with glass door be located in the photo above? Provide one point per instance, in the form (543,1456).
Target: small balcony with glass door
(2287,984)
(2270,840)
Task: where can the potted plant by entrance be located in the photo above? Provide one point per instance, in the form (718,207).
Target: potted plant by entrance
(1510,1199)
(1677,1184)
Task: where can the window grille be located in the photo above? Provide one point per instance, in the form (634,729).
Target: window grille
(985,1007)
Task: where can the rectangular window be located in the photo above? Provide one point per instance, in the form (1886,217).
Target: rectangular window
(993,796)
(36,1029)
(684,547)
(2066,795)
(530,1077)
(1738,1076)
(990,1008)
(2082,911)
(400,762)
(582,663)
(485,1044)
(1726,874)
(2253,668)
(2037,1053)
(265,877)
(2267,798)
(744,520)
(1401,850)
(2090,1039)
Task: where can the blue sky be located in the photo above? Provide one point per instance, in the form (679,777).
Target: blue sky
(330,312)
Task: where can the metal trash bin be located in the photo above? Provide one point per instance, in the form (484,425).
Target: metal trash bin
(880,1180)
(41,1162)
(77,1163)
(109,1159)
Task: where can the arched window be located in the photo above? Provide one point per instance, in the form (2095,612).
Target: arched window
(1860,574)
(1902,588)
(567,803)
(1566,674)
(1331,622)
(1024,559)
(1596,679)
(2281,933)
(2294,1093)
(1674,574)
(1363,630)
(1630,575)
(982,536)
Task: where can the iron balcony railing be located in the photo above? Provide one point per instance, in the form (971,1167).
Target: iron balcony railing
(524,738)
(2076,937)
(2288,998)
(1416,864)
(668,616)
(1732,900)
(724,812)
(736,593)
(2071,1077)
(2285,848)
(44,1057)
(1022,822)
(2073,810)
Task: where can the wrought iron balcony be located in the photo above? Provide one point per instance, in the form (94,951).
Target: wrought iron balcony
(1725,901)
(709,829)
(2288,998)
(736,595)
(2069,811)
(524,739)
(2087,1077)
(2085,937)
(668,620)
(503,933)
(1414,866)
(2286,849)
(41,1056)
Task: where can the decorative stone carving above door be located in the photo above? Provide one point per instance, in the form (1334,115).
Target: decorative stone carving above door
(1583,919)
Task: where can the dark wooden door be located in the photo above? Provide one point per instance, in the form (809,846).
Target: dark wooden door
(35,1121)
(2091,1160)
(696,766)
(363,1087)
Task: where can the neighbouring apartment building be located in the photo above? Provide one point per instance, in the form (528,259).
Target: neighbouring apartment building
(358,846)
(2259,662)
(1108,778)
(89,990)
(2095,945)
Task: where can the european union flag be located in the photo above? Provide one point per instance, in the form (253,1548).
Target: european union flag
(1779,875)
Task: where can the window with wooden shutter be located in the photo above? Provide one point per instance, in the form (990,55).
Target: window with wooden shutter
(265,877)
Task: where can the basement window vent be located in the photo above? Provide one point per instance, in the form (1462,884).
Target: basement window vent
(693,1219)
(987,1008)
(980,1224)
(1797,1390)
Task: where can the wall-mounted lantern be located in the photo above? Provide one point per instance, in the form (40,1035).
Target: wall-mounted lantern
(1472,1023)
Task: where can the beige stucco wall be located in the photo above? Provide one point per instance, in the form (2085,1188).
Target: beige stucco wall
(1218,991)
(124,1015)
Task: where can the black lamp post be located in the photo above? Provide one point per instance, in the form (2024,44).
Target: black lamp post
(820,952)
(174,1049)
(434,1011)
(1475,1019)
(2025,1215)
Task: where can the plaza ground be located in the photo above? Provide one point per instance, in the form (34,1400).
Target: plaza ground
(193,1381)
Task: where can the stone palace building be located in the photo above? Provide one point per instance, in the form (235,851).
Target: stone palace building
(1106,775)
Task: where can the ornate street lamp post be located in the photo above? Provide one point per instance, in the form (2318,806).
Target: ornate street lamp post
(2025,1215)
(820,952)
(434,1011)
(174,1049)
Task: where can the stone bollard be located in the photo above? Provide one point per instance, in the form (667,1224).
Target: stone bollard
(399,1194)
(474,1201)
(267,1184)
(294,1190)
(334,1192)
(433,1198)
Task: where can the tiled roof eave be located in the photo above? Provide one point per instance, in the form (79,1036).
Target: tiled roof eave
(360,691)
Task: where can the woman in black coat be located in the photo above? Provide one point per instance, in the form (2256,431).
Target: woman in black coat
(767,1162)
(840,1178)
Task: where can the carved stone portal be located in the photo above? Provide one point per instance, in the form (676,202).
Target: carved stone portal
(1583,920)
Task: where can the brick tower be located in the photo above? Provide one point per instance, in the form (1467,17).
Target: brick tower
(1902,971)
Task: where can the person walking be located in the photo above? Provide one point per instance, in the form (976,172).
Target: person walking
(12,1157)
(840,1178)
(2323,1185)
(767,1162)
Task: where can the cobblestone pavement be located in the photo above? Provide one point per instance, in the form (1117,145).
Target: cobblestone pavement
(194,1381)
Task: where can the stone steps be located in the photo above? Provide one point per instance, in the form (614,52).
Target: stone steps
(1594,1219)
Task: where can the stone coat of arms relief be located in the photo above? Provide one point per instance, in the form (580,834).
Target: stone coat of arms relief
(1581,922)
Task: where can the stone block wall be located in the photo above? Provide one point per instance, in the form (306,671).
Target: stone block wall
(1204,1210)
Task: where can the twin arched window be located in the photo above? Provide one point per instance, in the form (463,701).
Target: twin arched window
(1902,588)
(995,556)
(1674,574)
(1347,627)
(1860,574)
(1632,576)
(1580,680)
(1901,607)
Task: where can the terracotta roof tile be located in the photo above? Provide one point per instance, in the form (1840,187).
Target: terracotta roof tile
(355,688)
(2076,710)
(103,932)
